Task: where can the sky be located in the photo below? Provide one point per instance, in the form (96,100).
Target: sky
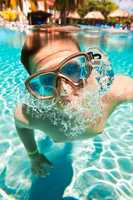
(125,4)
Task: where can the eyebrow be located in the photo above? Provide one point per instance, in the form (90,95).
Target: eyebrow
(43,59)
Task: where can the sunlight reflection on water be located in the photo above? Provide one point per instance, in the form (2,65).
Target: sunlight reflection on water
(102,163)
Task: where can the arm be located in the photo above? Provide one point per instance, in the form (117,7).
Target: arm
(122,88)
(38,161)
(27,137)
(25,133)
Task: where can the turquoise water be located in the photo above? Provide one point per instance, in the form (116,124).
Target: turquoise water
(100,168)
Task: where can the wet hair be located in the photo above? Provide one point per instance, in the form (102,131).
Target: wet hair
(38,39)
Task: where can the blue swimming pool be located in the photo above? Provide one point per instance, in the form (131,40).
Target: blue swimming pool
(100,168)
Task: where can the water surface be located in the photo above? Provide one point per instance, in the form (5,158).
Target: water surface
(100,168)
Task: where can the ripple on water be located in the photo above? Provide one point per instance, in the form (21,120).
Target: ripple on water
(102,167)
(126,189)
(102,191)
(126,165)
(4,145)
(108,163)
(115,172)
(113,163)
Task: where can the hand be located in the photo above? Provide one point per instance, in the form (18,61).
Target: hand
(40,165)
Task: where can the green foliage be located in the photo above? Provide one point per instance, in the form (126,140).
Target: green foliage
(69,5)
(104,6)
(66,6)
(84,6)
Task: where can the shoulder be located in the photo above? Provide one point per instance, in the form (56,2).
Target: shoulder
(122,88)
(122,78)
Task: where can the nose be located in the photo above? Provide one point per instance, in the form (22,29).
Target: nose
(67,92)
(65,88)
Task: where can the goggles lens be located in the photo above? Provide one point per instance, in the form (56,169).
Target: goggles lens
(76,69)
(43,84)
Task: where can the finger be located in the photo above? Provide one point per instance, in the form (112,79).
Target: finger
(43,173)
(43,170)
(36,171)
(46,165)
(49,163)
(40,174)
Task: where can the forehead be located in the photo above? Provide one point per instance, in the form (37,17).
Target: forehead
(56,45)
(41,43)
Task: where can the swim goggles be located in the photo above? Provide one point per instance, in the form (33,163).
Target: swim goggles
(75,70)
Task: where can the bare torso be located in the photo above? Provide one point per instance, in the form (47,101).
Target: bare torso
(30,119)
(118,93)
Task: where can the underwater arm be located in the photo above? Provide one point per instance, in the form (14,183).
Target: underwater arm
(27,137)
(25,133)
(39,163)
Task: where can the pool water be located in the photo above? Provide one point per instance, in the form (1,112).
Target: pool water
(100,168)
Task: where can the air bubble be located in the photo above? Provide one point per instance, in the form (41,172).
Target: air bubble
(74,117)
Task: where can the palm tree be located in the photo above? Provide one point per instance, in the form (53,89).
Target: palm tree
(7,3)
(66,6)
(104,6)
(20,4)
(1,3)
(107,6)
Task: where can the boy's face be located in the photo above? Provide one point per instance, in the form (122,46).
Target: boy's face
(80,102)
(50,56)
